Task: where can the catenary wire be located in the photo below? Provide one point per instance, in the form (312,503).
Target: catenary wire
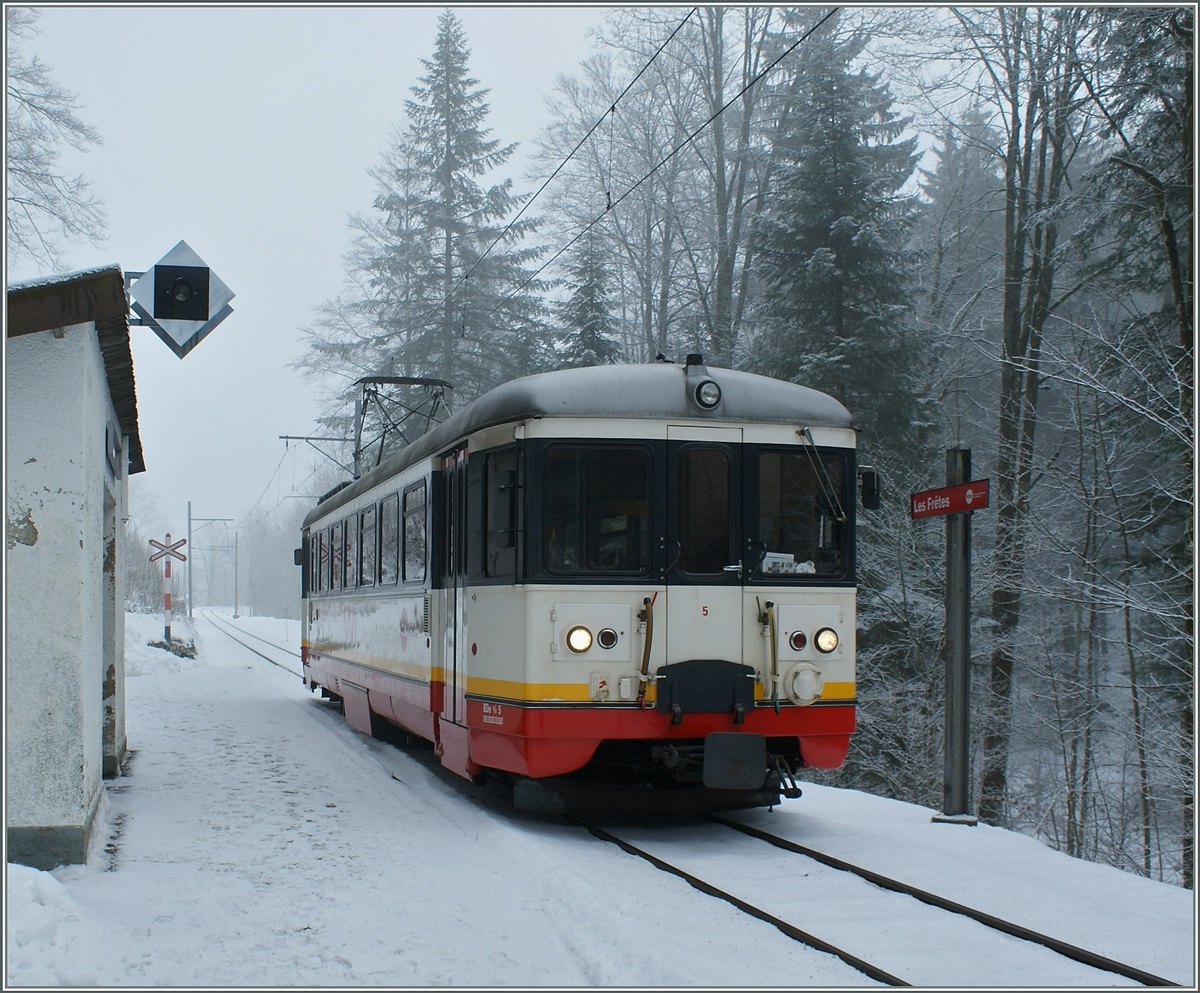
(670,155)
(570,155)
(445,301)
(265,488)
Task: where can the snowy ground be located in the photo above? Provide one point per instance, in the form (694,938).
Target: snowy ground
(258,841)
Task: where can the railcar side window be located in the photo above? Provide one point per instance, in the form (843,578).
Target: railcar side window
(323,560)
(366,558)
(597,515)
(414,533)
(703,480)
(800,501)
(351,571)
(335,580)
(389,540)
(500,489)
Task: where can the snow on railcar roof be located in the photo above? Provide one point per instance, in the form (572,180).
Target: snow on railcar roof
(655,390)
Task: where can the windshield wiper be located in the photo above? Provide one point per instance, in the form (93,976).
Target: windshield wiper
(822,474)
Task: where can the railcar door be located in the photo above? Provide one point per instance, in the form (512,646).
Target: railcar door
(454,559)
(704,581)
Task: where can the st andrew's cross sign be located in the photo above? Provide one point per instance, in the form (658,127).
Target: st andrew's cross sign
(171,549)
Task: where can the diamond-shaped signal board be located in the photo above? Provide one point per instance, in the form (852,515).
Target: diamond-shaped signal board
(181,298)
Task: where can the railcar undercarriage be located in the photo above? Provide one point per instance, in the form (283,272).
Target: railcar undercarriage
(720,772)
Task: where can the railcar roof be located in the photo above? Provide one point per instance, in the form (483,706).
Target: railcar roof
(656,391)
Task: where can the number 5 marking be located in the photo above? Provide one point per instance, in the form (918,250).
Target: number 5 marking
(704,611)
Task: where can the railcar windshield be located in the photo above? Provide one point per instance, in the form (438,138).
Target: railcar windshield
(597,509)
(802,525)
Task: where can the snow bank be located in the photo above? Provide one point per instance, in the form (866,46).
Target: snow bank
(143,660)
(48,941)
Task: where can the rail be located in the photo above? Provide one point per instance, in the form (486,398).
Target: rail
(222,625)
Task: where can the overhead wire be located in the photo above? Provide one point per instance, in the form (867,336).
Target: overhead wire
(279,502)
(670,155)
(265,488)
(445,301)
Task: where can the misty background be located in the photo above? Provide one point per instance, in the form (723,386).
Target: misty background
(973,226)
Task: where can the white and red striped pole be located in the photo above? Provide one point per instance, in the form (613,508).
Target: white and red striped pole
(165,552)
(167,594)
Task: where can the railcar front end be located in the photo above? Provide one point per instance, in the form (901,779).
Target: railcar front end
(634,575)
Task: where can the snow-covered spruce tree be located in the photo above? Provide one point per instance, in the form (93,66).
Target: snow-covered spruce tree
(955,240)
(959,236)
(837,314)
(487,335)
(833,259)
(43,205)
(410,308)
(588,329)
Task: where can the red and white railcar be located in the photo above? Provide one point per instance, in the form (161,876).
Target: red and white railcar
(640,574)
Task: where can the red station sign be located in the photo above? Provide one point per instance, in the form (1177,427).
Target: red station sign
(960,499)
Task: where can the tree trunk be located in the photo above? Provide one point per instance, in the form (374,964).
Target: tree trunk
(1034,174)
(1005,606)
(664,281)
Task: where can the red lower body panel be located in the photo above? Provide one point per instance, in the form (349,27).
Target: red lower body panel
(540,741)
(551,741)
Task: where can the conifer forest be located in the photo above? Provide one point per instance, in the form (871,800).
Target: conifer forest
(974,228)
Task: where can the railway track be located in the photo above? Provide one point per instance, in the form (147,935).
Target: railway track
(917,923)
(224,626)
(862,912)
(1063,948)
(793,932)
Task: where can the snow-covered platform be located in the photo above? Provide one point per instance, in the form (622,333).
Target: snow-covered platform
(259,840)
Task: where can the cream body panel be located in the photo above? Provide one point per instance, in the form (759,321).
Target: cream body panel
(495,624)
(493,437)
(807,609)
(387,633)
(785,434)
(715,433)
(704,622)
(616,428)
(610,428)
(551,611)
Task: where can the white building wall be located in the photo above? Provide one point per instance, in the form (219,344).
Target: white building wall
(57,410)
(114,578)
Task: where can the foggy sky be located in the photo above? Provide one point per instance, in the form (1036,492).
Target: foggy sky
(247,132)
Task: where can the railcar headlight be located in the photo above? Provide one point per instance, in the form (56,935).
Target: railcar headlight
(579,639)
(826,640)
(708,394)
